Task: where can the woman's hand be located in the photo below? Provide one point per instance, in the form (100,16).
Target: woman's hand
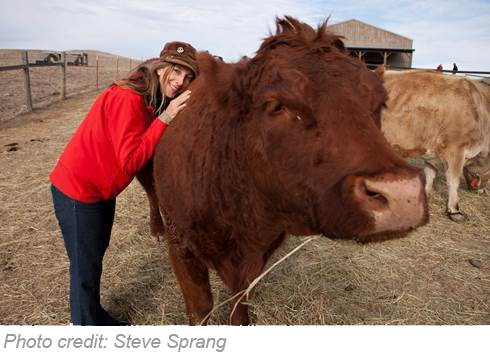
(175,107)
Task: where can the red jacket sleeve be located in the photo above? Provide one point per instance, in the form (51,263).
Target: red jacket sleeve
(133,134)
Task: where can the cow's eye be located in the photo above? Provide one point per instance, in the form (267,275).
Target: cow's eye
(274,106)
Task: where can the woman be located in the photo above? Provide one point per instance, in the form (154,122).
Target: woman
(115,140)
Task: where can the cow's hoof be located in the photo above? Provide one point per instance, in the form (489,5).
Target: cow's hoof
(157,232)
(457,216)
(157,228)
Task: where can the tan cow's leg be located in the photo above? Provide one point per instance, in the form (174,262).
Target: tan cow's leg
(453,161)
(193,278)
(430,175)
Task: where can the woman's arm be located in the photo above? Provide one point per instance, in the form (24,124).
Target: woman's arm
(133,143)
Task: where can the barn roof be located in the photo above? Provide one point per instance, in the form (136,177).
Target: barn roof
(359,34)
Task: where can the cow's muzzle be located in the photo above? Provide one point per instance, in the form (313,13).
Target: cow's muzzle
(397,202)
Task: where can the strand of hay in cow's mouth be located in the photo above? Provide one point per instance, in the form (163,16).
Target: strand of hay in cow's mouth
(246,292)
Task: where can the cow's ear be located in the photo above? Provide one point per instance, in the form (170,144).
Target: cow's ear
(287,25)
(380,70)
(339,44)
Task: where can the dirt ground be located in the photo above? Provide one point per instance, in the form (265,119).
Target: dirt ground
(439,274)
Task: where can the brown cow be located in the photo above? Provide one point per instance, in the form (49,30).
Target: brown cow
(430,114)
(285,142)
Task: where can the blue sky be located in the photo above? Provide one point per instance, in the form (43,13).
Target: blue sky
(442,31)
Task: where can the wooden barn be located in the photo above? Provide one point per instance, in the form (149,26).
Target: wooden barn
(375,45)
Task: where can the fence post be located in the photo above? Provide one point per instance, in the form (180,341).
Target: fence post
(63,67)
(27,79)
(97,72)
(117,67)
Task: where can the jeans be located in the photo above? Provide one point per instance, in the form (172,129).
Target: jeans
(86,229)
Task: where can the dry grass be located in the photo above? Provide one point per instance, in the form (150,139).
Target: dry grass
(421,279)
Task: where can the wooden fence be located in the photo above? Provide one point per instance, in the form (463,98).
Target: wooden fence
(118,67)
(95,70)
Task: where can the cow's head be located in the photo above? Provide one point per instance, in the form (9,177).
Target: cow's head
(477,173)
(314,146)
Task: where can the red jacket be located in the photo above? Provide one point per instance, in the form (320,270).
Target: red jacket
(114,141)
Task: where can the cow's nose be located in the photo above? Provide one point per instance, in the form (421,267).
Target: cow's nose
(397,202)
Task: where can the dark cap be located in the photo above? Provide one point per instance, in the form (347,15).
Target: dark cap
(181,53)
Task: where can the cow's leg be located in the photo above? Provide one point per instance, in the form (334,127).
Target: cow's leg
(193,278)
(238,273)
(430,175)
(145,177)
(454,161)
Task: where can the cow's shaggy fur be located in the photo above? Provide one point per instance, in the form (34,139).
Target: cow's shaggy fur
(285,142)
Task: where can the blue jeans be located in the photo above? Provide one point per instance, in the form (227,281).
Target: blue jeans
(86,229)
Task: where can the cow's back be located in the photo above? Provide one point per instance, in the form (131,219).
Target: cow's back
(482,100)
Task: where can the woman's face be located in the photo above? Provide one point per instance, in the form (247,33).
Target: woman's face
(178,80)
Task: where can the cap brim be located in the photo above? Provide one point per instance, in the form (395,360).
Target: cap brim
(181,62)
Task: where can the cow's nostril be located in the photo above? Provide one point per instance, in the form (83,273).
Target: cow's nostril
(373,193)
(377,197)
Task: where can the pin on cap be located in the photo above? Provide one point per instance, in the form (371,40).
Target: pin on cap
(181,53)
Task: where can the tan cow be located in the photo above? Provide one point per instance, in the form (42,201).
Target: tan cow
(434,115)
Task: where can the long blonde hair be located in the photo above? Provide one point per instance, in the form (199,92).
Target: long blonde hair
(145,81)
